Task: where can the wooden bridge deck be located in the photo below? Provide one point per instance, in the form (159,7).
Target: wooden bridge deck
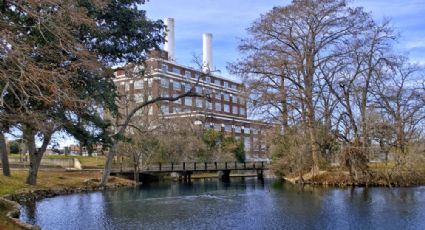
(196,167)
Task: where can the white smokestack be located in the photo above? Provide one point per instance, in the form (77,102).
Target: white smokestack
(169,45)
(207,56)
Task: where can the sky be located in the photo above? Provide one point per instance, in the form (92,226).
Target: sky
(227,20)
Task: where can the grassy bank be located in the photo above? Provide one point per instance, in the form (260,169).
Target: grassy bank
(86,162)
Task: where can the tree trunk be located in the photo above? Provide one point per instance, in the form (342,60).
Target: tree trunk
(136,174)
(35,158)
(4,155)
(35,154)
(108,164)
(285,115)
(310,116)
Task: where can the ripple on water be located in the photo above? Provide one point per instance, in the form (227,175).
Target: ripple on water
(240,204)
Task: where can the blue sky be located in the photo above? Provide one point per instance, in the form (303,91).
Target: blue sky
(228,19)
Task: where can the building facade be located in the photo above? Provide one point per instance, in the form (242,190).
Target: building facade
(223,107)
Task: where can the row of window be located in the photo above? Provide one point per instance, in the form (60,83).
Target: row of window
(199,103)
(208,79)
(139,84)
(228,128)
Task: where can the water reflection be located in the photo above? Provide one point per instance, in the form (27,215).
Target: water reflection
(242,203)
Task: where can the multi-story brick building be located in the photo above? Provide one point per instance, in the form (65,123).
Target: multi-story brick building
(224,107)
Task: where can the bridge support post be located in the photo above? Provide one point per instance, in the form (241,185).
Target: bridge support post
(260,174)
(185,176)
(224,175)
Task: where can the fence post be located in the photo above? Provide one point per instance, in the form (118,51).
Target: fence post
(184,165)
(225,165)
(205,166)
(215,163)
(194,166)
(160,166)
(172,166)
(236,165)
(244,165)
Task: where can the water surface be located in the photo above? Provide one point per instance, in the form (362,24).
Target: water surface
(243,203)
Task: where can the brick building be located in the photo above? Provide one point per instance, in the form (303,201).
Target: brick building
(225,111)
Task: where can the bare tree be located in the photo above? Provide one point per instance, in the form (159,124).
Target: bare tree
(295,41)
(398,96)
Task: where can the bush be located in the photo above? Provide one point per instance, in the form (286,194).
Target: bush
(14,147)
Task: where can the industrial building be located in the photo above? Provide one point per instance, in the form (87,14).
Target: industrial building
(224,107)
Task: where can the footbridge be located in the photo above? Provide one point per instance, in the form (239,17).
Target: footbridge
(184,170)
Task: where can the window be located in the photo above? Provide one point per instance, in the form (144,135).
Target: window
(199,102)
(217,82)
(209,105)
(217,127)
(179,101)
(218,106)
(238,129)
(164,93)
(217,95)
(247,144)
(234,86)
(164,67)
(226,97)
(254,131)
(150,83)
(246,130)
(177,85)
(177,109)
(227,128)
(188,101)
(235,109)
(138,97)
(150,110)
(226,84)
(198,89)
(165,82)
(207,79)
(127,86)
(165,109)
(176,70)
(242,111)
(138,84)
(187,74)
(226,108)
(187,87)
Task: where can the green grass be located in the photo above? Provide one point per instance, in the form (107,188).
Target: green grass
(48,179)
(85,161)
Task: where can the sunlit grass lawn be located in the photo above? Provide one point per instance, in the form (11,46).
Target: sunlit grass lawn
(86,161)
(45,180)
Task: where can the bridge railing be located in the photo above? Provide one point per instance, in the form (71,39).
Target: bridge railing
(204,166)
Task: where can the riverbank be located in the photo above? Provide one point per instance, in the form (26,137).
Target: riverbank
(13,190)
(377,178)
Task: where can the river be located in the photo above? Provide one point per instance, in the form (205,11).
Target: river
(242,203)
